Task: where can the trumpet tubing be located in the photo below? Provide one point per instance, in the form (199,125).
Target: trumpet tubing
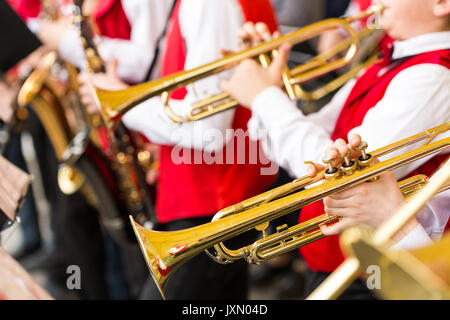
(166,251)
(418,274)
(113,104)
(286,239)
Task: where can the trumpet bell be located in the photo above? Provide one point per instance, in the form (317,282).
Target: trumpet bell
(163,254)
(150,253)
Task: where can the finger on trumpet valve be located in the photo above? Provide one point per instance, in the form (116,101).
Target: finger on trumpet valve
(349,166)
(365,159)
(332,173)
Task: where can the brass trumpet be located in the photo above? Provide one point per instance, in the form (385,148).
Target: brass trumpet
(166,251)
(113,104)
(418,274)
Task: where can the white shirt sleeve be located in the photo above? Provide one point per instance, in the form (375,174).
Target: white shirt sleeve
(432,221)
(207,26)
(417,99)
(147,19)
(434,216)
(288,137)
(352,9)
(417,238)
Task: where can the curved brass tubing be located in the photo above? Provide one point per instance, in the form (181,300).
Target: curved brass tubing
(166,251)
(114,104)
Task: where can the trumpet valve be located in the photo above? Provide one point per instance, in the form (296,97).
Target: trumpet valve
(349,166)
(365,159)
(332,173)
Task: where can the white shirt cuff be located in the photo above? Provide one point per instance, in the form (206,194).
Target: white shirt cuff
(34,24)
(417,238)
(272,106)
(71,49)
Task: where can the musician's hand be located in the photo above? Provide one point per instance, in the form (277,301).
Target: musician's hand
(251,34)
(339,147)
(33,59)
(329,39)
(369,203)
(254,33)
(250,78)
(106,81)
(6,99)
(51,32)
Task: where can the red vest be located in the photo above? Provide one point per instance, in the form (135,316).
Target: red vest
(198,190)
(363,4)
(112,23)
(111,20)
(325,255)
(109,16)
(27,8)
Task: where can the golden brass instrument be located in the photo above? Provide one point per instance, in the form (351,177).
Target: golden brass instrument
(113,104)
(353,68)
(128,159)
(166,251)
(86,173)
(108,179)
(38,92)
(418,274)
(46,103)
(51,107)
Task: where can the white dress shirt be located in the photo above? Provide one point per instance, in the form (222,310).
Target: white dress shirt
(432,221)
(147,19)
(417,99)
(207,26)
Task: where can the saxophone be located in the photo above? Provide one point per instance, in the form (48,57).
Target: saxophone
(127,158)
(112,180)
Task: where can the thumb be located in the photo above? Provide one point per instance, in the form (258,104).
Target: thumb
(337,227)
(111,67)
(281,58)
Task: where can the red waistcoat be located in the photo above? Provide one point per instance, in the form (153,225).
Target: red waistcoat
(325,255)
(363,4)
(109,16)
(198,190)
(27,8)
(113,23)
(111,20)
